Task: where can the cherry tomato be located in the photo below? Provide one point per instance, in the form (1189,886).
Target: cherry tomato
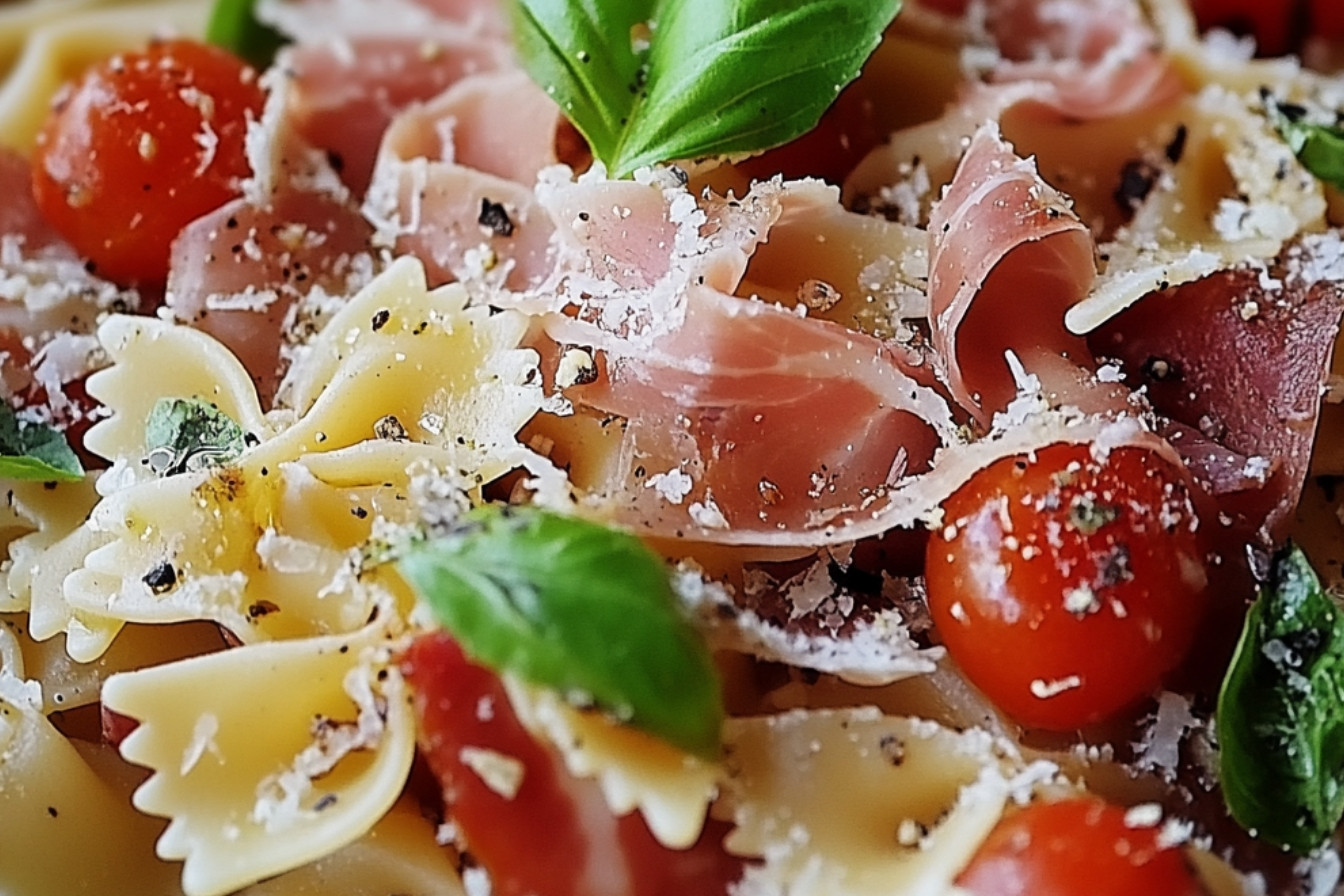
(143,144)
(555,836)
(1072,847)
(1067,586)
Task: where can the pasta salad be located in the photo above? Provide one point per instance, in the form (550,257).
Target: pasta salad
(604,448)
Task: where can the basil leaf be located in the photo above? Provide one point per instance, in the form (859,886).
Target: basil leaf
(1281,711)
(1319,147)
(575,606)
(35,452)
(649,81)
(234,26)
(184,435)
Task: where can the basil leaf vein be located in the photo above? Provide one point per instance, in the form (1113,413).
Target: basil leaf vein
(35,452)
(577,607)
(727,77)
(1281,711)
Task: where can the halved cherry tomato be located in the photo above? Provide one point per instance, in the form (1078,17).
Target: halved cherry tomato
(1067,586)
(555,835)
(1076,846)
(143,144)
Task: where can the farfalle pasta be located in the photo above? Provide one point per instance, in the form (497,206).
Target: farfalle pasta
(823,387)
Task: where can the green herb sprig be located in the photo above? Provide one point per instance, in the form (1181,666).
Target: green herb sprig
(574,606)
(648,81)
(1281,711)
(35,452)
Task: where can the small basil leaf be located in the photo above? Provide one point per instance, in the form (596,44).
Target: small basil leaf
(1281,711)
(649,81)
(234,26)
(184,435)
(577,607)
(35,452)
(1319,147)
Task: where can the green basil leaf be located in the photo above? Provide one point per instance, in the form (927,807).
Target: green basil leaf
(184,435)
(649,81)
(1319,147)
(234,26)
(35,452)
(577,607)
(1281,711)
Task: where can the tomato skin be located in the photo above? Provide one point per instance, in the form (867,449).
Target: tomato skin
(143,144)
(555,836)
(1067,587)
(1076,846)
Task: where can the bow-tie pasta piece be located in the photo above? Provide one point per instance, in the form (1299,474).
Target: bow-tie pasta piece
(63,828)
(401,361)
(267,549)
(34,516)
(141,349)
(301,754)
(400,855)
(919,798)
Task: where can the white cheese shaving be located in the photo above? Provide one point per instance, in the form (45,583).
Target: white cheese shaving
(502,774)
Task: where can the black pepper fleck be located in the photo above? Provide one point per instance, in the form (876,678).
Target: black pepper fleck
(495,218)
(161,579)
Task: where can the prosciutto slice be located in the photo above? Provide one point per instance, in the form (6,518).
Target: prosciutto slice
(1093,58)
(454,180)
(1236,362)
(750,418)
(345,93)
(1007,258)
(742,421)
(237,272)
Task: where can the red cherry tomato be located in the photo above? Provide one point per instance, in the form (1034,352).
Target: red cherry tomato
(1072,847)
(1065,586)
(143,144)
(555,836)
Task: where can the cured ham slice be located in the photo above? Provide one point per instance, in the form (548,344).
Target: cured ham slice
(749,418)
(742,421)
(345,93)
(1093,59)
(236,272)
(454,182)
(1008,257)
(1236,361)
